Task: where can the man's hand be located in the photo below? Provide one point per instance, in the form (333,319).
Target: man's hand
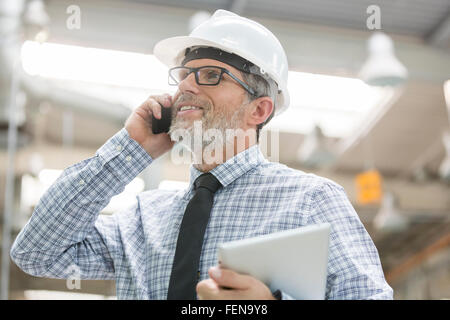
(139,126)
(225,284)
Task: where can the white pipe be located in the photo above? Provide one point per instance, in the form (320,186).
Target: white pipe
(9,188)
(10,31)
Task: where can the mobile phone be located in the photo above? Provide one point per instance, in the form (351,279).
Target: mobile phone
(163,124)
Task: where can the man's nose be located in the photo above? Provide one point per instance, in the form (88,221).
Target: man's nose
(189,84)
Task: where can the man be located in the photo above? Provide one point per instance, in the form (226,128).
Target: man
(231,73)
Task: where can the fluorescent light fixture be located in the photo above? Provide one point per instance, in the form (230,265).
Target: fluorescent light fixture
(110,67)
(337,104)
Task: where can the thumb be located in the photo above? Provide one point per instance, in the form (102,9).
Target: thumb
(230,279)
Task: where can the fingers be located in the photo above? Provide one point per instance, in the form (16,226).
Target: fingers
(225,284)
(209,290)
(153,104)
(166,100)
(230,279)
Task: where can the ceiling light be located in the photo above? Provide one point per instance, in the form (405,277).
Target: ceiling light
(382,68)
(388,219)
(314,151)
(36,14)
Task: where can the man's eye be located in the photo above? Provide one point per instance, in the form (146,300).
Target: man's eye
(213,74)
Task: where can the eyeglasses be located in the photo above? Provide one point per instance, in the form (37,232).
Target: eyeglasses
(204,76)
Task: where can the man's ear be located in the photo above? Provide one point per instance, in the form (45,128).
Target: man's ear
(261,110)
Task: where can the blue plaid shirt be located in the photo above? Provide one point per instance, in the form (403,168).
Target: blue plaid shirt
(136,247)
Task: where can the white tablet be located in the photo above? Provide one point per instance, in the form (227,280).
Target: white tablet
(294,261)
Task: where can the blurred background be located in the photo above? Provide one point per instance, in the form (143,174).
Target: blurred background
(370,109)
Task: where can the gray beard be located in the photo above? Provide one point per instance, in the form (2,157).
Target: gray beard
(215,125)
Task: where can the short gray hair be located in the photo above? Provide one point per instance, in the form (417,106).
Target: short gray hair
(264,87)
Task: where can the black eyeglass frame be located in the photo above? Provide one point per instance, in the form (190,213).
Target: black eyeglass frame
(223,70)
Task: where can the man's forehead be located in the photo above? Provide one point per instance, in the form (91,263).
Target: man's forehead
(210,62)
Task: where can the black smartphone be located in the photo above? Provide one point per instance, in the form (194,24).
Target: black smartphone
(163,124)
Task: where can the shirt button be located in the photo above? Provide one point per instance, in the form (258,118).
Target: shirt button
(128,158)
(81,182)
(119,148)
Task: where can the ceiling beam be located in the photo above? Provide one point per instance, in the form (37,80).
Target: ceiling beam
(440,35)
(238,6)
(395,274)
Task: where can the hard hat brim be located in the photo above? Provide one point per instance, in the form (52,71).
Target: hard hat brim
(170,51)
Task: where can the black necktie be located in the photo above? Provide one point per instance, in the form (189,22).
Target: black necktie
(184,277)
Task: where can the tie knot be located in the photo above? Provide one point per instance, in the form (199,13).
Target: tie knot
(208,181)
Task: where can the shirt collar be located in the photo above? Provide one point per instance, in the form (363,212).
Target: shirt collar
(234,167)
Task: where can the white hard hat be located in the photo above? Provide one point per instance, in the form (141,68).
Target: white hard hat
(234,34)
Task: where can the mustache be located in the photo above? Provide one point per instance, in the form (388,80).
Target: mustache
(191,99)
